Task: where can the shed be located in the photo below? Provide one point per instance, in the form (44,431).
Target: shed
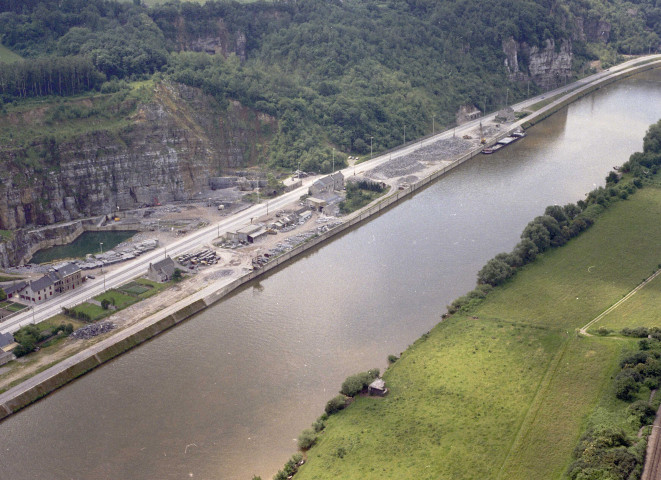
(244,234)
(377,387)
(316,203)
(6,339)
(257,235)
(6,357)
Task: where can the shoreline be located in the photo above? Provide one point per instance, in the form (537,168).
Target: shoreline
(71,368)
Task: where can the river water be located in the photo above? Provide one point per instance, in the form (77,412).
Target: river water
(224,395)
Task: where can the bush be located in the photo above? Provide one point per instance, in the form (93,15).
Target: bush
(603,331)
(639,332)
(495,272)
(354,384)
(177,275)
(642,412)
(336,404)
(392,358)
(307,439)
(319,424)
(626,386)
(105,303)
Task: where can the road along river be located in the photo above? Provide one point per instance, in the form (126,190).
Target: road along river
(223,395)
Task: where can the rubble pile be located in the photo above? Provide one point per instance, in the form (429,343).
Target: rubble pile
(90,331)
(444,149)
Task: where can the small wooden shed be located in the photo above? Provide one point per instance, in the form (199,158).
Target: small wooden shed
(377,387)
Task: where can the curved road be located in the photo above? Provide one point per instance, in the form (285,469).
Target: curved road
(135,268)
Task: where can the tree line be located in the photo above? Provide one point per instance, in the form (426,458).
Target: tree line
(49,76)
(559,224)
(334,73)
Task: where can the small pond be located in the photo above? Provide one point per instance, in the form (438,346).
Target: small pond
(88,242)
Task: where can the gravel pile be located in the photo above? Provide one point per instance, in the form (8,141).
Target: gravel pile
(219,274)
(93,330)
(397,167)
(411,163)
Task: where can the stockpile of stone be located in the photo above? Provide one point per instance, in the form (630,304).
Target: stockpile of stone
(90,331)
(441,150)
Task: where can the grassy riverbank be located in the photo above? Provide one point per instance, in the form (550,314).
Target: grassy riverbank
(506,390)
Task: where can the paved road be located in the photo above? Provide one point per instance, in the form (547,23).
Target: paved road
(135,268)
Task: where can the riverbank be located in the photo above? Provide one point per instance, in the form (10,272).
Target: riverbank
(372,210)
(485,392)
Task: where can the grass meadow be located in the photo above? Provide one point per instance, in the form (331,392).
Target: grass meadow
(505,391)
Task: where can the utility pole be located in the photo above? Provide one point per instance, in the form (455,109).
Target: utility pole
(333,159)
(102,272)
(404,134)
(371,138)
(433,124)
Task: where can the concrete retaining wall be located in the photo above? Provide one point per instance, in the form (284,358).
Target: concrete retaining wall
(68,370)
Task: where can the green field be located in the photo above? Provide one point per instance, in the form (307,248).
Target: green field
(505,391)
(643,309)
(7,56)
(122,297)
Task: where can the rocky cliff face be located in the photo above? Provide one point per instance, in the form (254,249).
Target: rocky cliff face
(168,151)
(219,41)
(548,66)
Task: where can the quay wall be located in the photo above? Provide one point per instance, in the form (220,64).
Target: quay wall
(68,370)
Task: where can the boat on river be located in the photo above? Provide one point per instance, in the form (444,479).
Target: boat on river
(503,142)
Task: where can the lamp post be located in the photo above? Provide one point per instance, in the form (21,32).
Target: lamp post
(371,138)
(333,159)
(102,272)
(404,134)
(433,124)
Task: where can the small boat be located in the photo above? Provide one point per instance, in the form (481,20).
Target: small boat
(492,149)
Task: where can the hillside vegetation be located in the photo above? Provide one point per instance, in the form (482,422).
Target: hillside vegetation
(334,73)
(505,387)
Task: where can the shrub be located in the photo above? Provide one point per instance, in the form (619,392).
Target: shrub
(354,384)
(603,331)
(642,412)
(319,425)
(626,386)
(306,439)
(392,358)
(335,404)
(495,272)
(105,303)
(639,332)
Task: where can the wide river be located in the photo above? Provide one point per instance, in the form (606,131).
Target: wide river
(224,395)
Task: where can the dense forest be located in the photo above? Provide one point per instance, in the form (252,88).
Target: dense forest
(334,73)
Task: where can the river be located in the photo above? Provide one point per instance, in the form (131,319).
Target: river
(224,395)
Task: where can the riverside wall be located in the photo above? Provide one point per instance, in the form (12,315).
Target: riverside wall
(66,371)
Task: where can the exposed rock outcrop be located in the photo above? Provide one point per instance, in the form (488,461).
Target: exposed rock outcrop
(168,151)
(548,67)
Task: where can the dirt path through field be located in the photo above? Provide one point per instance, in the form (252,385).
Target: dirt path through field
(584,329)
